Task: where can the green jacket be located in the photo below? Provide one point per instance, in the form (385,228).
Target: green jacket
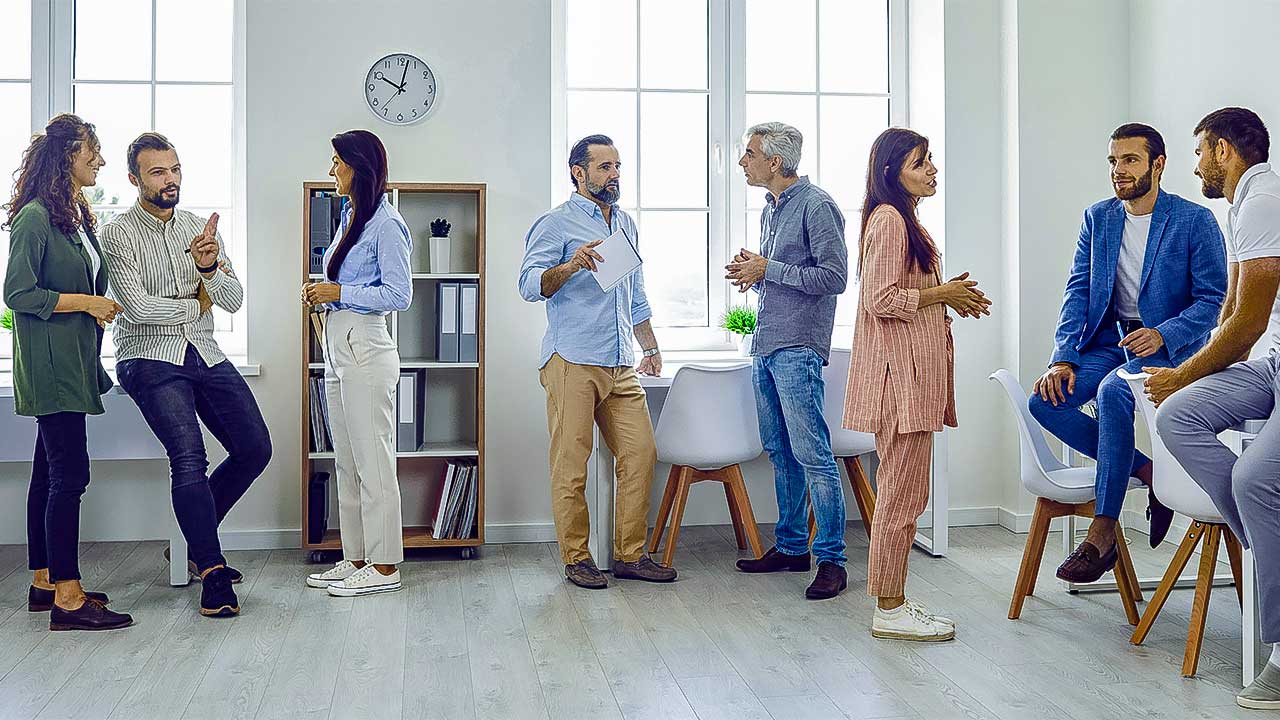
(57,359)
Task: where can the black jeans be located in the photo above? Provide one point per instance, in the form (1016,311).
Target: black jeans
(173,400)
(59,475)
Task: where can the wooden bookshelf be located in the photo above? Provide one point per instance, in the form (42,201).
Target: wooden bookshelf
(452,415)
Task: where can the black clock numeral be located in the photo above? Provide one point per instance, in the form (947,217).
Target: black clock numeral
(400,117)
(372,87)
(415,112)
(386,64)
(431,88)
(377,75)
(375,102)
(402,60)
(427,103)
(384,111)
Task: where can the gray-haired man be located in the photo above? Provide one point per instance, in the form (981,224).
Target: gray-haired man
(801,269)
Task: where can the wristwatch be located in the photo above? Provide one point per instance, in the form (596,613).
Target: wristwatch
(651,352)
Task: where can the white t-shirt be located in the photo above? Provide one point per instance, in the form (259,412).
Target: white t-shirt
(94,259)
(1253,231)
(1133,250)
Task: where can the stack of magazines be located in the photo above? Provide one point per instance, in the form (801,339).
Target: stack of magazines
(456,507)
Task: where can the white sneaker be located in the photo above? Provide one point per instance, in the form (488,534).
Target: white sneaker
(337,573)
(366,581)
(940,618)
(911,621)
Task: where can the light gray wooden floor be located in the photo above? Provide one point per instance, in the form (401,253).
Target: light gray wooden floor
(505,637)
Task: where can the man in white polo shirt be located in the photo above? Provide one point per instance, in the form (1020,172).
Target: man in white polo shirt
(1219,387)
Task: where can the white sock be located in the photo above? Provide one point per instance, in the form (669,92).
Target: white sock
(898,609)
(1275,655)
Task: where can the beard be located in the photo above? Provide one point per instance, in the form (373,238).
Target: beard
(607,193)
(1140,187)
(159,200)
(1213,181)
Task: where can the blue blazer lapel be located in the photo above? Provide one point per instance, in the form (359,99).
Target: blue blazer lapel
(1111,237)
(1159,218)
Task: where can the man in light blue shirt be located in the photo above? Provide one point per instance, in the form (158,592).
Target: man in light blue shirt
(586,365)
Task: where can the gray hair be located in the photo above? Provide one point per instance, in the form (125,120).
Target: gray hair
(782,140)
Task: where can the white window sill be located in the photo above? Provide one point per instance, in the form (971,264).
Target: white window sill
(246,368)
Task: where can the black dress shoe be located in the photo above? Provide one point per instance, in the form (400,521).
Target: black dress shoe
(41,600)
(1086,564)
(1161,518)
(774,561)
(92,615)
(830,581)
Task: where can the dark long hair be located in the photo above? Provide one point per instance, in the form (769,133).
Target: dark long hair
(45,174)
(363,151)
(884,187)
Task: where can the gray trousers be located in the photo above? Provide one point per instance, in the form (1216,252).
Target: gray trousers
(1245,489)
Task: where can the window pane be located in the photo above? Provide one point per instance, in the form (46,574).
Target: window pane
(849,126)
(113,40)
(673,44)
(612,114)
(781,38)
(751,240)
(799,111)
(15,134)
(15,40)
(673,150)
(119,113)
(207,23)
(674,248)
(203,139)
(854,45)
(600,43)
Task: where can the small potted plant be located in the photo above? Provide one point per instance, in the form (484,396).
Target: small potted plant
(741,321)
(440,245)
(6,320)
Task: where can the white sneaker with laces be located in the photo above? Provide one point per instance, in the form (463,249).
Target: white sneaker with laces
(366,581)
(940,618)
(911,621)
(337,573)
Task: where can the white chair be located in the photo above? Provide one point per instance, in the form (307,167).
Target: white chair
(1175,488)
(708,427)
(846,445)
(1061,491)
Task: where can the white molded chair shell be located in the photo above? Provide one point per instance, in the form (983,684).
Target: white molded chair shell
(1043,474)
(844,443)
(709,418)
(1173,486)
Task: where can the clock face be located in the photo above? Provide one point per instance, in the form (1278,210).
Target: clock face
(400,89)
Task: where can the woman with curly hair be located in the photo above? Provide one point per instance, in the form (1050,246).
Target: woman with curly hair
(55,284)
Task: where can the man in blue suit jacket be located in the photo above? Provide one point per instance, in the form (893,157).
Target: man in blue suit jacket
(1148,280)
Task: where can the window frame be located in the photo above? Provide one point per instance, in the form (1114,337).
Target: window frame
(727,192)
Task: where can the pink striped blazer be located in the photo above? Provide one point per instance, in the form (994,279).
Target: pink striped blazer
(894,338)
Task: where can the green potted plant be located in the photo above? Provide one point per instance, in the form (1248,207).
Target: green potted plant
(6,320)
(741,321)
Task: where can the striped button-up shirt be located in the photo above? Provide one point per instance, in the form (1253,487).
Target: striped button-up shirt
(156,281)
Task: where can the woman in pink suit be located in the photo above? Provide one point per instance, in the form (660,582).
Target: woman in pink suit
(901,384)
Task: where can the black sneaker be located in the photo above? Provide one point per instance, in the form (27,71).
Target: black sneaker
(585,574)
(92,615)
(217,599)
(830,582)
(774,561)
(41,600)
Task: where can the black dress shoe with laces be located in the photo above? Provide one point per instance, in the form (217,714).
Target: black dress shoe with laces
(92,615)
(830,582)
(774,561)
(41,600)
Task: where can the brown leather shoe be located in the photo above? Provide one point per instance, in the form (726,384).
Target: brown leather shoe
(643,569)
(774,561)
(92,615)
(585,574)
(1086,564)
(831,580)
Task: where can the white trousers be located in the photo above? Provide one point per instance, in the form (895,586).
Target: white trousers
(362,369)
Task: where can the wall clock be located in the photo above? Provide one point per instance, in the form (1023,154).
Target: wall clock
(400,89)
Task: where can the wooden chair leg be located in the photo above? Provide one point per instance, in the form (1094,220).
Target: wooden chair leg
(664,510)
(1031,555)
(1127,588)
(1233,554)
(677,514)
(862,491)
(1125,564)
(744,509)
(739,533)
(1171,575)
(1200,603)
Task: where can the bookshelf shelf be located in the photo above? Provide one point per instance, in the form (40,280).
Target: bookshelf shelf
(451,411)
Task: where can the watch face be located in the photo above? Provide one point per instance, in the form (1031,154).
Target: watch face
(400,89)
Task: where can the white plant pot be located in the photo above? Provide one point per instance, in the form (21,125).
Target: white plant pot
(744,344)
(440,250)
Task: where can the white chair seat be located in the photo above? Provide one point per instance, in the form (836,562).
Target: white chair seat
(844,443)
(708,420)
(1075,485)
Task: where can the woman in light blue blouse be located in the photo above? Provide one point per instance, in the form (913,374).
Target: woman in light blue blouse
(366,277)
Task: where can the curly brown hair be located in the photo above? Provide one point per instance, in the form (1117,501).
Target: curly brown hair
(45,174)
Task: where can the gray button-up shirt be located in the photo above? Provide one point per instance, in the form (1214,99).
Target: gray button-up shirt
(802,235)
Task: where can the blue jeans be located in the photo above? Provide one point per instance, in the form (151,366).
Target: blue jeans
(1108,439)
(789,398)
(173,400)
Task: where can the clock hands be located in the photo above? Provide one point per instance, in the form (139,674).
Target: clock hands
(399,88)
(404,75)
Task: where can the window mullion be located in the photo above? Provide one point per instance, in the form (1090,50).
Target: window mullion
(61,57)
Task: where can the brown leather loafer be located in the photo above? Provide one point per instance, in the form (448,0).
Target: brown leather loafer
(774,561)
(643,569)
(585,574)
(1086,564)
(41,600)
